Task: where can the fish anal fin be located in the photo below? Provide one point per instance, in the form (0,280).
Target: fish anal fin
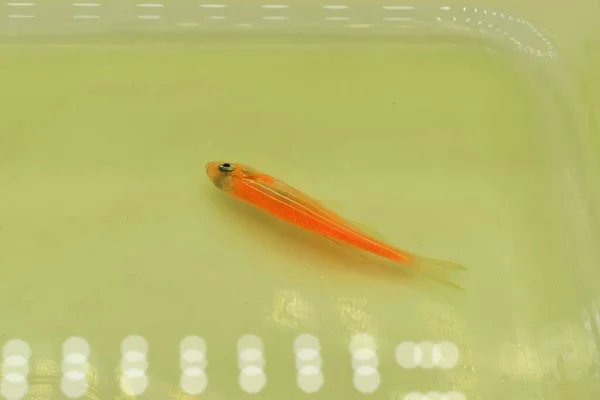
(347,249)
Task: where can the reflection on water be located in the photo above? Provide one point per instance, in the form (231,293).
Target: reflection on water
(290,310)
(483,20)
(503,26)
(45,378)
(562,358)
(519,362)
(564,350)
(355,318)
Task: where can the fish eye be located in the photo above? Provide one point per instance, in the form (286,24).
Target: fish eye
(226,167)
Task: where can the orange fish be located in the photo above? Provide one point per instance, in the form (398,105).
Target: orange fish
(284,202)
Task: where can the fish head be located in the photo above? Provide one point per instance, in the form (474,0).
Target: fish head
(223,174)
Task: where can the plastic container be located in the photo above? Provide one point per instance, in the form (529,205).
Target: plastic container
(462,132)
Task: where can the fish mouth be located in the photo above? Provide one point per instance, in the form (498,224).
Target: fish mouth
(209,168)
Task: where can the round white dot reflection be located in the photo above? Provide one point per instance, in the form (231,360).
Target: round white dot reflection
(193,356)
(193,362)
(193,381)
(134,363)
(308,356)
(366,379)
(425,351)
(133,382)
(252,379)
(74,385)
(251,357)
(14,378)
(192,343)
(15,369)
(433,396)
(251,361)
(16,347)
(74,375)
(306,341)
(308,351)
(250,352)
(76,345)
(405,355)
(13,389)
(75,351)
(364,357)
(309,376)
(134,343)
(133,356)
(310,379)
(427,355)
(250,342)
(448,355)
(75,358)
(454,396)
(363,351)
(17,364)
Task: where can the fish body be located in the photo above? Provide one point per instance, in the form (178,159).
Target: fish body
(289,204)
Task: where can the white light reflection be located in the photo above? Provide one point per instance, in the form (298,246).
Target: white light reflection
(517,31)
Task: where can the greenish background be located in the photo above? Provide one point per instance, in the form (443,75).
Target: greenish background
(454,150)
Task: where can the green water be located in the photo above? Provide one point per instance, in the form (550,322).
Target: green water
(109,226)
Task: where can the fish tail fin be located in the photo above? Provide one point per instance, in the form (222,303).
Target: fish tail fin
(425,262)
(425,265)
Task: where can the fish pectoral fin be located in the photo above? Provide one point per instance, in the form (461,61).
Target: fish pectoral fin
(337,242)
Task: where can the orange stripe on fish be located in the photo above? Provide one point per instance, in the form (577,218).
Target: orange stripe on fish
(289,204)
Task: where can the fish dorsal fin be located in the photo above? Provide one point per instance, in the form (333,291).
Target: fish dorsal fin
(326,208)
(333,205)
(251,173)
(318,206)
